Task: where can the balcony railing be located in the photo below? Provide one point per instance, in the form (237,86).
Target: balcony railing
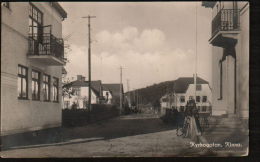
(225,20)
(46,44)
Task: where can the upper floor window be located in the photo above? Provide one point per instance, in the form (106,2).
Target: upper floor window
(35,85)
(46,87)
(35,22)
(182,99)
(55,89)
(22,83)
(77,91)
(6,4)
(204,99)
(165,100)
(198,87)
(197,98)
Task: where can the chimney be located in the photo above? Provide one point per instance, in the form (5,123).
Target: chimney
(83,78)
(79,77)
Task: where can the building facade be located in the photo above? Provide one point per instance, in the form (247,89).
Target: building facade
(107,95)
(183,90)
(115,90)
(77,93)
(230,57)
(32,57)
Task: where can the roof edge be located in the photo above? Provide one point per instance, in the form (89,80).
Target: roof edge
(208,4)
(60,10)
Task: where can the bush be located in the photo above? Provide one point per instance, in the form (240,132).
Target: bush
(77,117)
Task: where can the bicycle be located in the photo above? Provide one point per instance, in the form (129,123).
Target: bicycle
(183,130)
(204,122)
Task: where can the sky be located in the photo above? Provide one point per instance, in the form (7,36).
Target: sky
(152,41)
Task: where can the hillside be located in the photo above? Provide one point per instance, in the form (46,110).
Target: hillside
(151,93)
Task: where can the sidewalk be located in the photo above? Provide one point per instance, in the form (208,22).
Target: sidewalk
(229,135)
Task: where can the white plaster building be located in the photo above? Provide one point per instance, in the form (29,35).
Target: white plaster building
(107,94)
(80,90)
(230,57)
(183,89)
(32,57)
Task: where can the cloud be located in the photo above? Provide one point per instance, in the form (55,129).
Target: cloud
(130,39)
(146,56)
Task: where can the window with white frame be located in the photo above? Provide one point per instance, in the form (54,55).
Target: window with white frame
(35,85)
(35,22)
(182,99)
(46,87)
(197,98)
(22,83)
(55,89)
(204,99)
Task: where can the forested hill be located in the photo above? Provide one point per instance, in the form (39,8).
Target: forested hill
(151,93)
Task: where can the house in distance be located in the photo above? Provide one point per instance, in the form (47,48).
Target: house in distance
(76,93)
(182,90)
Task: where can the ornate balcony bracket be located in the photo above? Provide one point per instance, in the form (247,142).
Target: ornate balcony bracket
(224,40)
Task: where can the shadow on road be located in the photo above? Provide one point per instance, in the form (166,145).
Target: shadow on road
(105,130)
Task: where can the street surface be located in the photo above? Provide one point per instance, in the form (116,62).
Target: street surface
(141,135)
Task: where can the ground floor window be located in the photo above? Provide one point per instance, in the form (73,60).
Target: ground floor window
(22,83)
(66,104)
(204,108)
(182,99)
(35,85)
(191,98)
(46,87)
(181,108)
(55,89)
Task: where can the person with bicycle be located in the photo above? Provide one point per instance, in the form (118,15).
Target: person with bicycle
(191,127)
(193,114)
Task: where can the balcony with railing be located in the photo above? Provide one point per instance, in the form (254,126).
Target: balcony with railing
(46,49)
(226,20)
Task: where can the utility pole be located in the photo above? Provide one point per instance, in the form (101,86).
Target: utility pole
(121,75)
(195,75)
(128,90)
(89,59)
(128,86)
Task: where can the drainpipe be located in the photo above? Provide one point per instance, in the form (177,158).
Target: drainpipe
(235,84)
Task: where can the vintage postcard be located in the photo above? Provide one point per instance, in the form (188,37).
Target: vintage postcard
(124,79)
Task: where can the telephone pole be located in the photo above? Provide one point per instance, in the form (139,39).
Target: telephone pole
(89,59)
(196,40)
(121,75)
(128,87)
